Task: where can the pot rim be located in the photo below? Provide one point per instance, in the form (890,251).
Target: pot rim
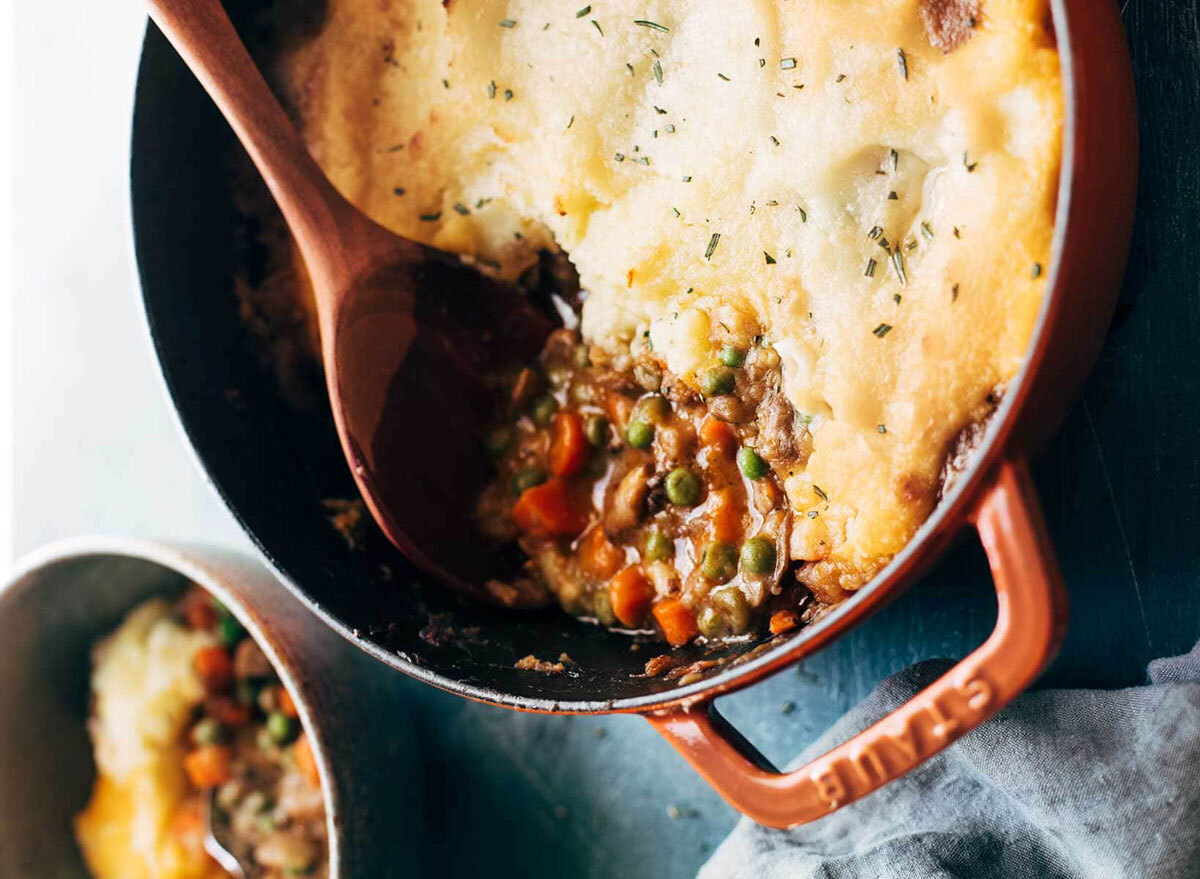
(193,562)
(948,517)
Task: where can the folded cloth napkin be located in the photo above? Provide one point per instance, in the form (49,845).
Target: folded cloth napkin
(1062,783)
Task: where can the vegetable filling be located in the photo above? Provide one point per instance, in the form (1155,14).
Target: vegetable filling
(646,503)
(246,742)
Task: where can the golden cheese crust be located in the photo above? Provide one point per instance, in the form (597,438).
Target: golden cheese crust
(868,185)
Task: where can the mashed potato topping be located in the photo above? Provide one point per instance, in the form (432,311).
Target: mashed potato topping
(145,691)
(817,173)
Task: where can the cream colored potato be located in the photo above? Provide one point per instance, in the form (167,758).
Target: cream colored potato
(145,691)
(788,129)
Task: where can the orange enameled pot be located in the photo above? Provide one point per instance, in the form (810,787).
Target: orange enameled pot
(1095,214)
(276,466)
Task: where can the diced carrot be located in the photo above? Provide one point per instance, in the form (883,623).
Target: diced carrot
(548,510)
(725,522)
(678,624)
(199,612)
(227,711)
(783,621)
(718,435)
(214,667)
(568,444)
(208,766)
(630,593)
(598,556)
(619,409)
(305,760)
(286,705)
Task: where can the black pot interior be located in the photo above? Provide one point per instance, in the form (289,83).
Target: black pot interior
(275,465)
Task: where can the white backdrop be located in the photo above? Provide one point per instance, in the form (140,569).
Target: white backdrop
(96,448)
(6,229)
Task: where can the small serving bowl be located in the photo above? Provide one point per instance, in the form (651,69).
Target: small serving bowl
(56,605)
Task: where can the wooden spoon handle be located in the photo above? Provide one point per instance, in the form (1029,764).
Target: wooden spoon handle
(328,229)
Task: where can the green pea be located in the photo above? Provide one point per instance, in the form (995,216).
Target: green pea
(580,358)
(245,691)
(719,562)
(497,440)
(639,434)
(733,606)
(732,356)
(209,731)
(596,430)
(299,868)
(543,410)
(229,630)
(717,380)
(652,410)
(751,464)
(264,739)
(573,599)
(602,607)
(758,556)
(711,623)
(648,376)
(658,547)
(526,478)
(683,487)
(281,728)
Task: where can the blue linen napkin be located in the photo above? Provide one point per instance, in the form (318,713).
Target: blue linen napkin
(1063,783)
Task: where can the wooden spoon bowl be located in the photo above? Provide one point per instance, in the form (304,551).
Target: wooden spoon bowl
(411,337)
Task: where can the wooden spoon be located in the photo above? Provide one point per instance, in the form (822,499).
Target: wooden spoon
(410,336)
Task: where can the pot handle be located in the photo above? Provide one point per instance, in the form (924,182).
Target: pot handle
(1029,628)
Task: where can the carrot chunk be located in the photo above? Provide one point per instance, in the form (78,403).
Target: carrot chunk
(208,766)
(619,408)
(305,760)
(214,667)
(783,621)
(287,705)
(568,444)
(718,435)
(630,593)
(725,522)
(548,510)
(598,557)
(678,624)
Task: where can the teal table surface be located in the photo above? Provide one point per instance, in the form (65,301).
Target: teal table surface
(497,793)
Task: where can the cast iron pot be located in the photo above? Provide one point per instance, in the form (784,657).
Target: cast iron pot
(275,466)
